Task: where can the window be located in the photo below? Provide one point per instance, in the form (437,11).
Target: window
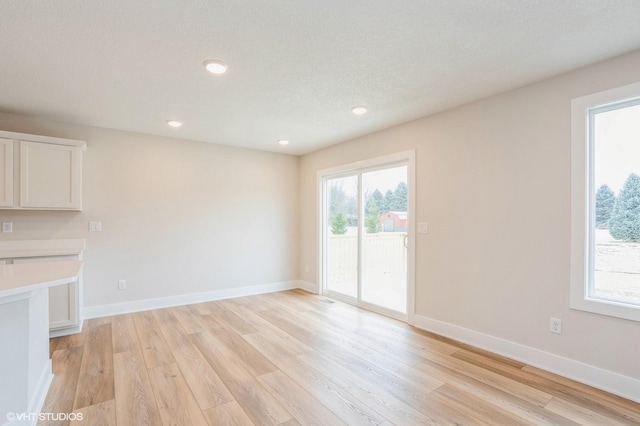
(605,203)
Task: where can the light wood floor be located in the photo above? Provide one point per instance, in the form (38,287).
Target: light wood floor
(295,358)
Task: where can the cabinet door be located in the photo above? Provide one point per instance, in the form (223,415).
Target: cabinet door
(6,173)
(63,306)
(50,176)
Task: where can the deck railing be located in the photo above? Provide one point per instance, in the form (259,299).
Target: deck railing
(383,253)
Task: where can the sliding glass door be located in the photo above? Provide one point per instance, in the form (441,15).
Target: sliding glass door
(365,236)
(384,243)
(342,236)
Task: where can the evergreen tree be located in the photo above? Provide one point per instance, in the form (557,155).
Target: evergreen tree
(624,223)
(400,198)
(337,199)
(338,224)
(605,200)
(389,200)
(379,199)
(372,220)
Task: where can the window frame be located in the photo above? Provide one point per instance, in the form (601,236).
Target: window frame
(583,201)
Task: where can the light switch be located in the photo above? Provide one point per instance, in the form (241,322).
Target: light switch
(7,226)
(95,226)
(423,228)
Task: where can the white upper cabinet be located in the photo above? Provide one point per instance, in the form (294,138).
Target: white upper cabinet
(6,172)
(40,172)
(50,176)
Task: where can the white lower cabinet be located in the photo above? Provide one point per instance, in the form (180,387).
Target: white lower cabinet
(63,311)
(65,300)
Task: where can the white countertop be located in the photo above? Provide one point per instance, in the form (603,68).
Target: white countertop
(23,277)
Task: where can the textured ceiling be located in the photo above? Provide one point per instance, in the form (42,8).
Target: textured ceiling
(295,67)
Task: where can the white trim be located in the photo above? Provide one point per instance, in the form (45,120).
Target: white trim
(322,242)
(67,331)
(624,386)
(369,163)
(308,286)
(186,299)
(40,394)
(411,232)
(359,239)
(358,167)
(581,205)
(45,139)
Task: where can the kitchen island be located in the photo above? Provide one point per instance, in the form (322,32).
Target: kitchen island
(25,367)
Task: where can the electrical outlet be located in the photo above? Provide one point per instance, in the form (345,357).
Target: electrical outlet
(95,226)
(555,325)
(7,226)
(122,284)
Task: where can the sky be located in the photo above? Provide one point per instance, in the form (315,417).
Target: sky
(617,147)
(383,180)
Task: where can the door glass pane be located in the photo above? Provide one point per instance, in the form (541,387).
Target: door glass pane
(342,235)
(384,250)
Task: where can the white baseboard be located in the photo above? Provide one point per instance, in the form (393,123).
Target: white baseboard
(186,299)
(626,387)
(307,286)
(66,331)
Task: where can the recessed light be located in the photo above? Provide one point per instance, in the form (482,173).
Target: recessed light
(216,67)
(174,123)
(359,109)
(283,142)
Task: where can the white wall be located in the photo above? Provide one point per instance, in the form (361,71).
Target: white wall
(178,217)
(493,182)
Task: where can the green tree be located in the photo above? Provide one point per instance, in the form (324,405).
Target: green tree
(339,200)
(605,200)
(338,224)
(389,200)
(400,198)
(372,220)
(624,223)
(379,199)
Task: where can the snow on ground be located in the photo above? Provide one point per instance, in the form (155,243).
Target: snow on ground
(617,267)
